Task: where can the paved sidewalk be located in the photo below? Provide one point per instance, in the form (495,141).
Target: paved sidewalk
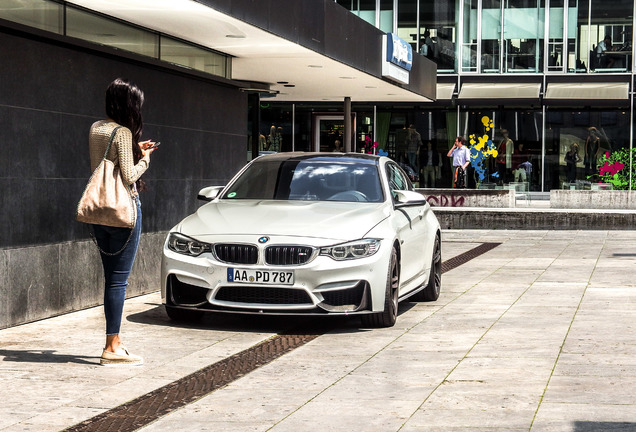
(536,334)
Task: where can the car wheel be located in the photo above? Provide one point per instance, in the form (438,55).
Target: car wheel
(177,314)
(387,317)
(431,292)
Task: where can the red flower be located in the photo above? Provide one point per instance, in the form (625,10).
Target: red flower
(612,169)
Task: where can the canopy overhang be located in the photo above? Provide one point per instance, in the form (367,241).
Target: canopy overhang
(308,51)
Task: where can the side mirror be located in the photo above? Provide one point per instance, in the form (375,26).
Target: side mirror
(407,198)
(209,193)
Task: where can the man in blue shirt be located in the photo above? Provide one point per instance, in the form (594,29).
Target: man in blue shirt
(461,159)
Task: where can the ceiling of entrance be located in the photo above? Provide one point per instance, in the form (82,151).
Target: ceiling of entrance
(295,72)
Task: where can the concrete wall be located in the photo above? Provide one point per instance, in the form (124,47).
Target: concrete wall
(51,91)
(534,219)
(592,199)
(490,198)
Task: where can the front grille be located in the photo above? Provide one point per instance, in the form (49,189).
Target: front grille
(265,295)
(287,255)
(236,253)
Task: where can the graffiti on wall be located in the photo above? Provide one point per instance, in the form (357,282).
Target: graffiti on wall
(444,200)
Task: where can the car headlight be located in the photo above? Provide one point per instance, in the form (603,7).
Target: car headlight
(352,250)
(186,245)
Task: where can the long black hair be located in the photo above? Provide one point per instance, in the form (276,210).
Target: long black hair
(123,104)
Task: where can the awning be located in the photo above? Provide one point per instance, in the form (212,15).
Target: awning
(591,91)
(445,91)
(500,91)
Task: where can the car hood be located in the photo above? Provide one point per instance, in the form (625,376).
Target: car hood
(333,220)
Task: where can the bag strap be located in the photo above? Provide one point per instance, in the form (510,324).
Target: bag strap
(110,141)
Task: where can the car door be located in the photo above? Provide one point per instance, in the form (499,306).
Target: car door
(411,227)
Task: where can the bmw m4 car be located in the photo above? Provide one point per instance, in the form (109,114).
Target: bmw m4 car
(305,233)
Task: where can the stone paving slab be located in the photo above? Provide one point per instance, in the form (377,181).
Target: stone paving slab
(535,335)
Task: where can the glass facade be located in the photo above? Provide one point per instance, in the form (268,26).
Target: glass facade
(64,19)
(510,36)
(558,142)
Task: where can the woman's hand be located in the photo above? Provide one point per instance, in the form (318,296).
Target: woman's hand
(147,147)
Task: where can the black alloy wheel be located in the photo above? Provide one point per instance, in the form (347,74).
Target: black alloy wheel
(434,286)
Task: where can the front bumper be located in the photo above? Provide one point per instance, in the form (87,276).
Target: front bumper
(320,286)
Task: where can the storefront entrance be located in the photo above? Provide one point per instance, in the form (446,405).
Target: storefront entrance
(328,132)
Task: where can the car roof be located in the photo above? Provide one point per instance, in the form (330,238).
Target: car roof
(322,157)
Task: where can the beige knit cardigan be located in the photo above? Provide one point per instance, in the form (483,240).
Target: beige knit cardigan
(120,151)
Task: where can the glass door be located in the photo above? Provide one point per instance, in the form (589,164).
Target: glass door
(328,132)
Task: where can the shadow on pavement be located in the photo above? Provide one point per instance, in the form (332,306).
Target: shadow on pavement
(44,356)
(257,323)
(590,426)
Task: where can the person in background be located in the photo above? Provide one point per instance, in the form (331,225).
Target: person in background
(603,46)
(571,159)
(427,47)
(413,145)
(118,246)
(504,156)
(430,162)
(592,150)
(461,159)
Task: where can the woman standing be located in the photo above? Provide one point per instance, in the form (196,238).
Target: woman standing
(592,150)
(118,246)
(571,159)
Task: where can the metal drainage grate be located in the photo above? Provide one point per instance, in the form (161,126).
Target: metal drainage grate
(467,256)
(151,406)
(160,402)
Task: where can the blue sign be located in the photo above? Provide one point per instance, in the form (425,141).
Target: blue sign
(398,51)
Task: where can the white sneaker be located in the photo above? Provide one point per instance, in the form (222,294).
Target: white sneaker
(120,357)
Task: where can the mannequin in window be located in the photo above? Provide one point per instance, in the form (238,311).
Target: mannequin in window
(504,156)
(275,138)
(278,139)
(522,167)
(262,142)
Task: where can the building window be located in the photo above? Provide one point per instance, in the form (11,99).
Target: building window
(84,24)
(183,54)
(470,25)
(437,34)
(98,29)
(42,14)
(516,135)
(587,135)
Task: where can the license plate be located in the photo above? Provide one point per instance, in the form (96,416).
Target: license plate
(263,277)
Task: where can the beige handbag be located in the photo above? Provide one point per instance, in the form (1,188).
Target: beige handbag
(107,199)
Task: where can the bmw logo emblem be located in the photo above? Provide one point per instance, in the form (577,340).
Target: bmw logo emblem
(263,239)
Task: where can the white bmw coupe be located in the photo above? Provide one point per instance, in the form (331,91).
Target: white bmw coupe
(305,233)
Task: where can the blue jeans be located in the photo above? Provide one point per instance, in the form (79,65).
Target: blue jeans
(117,267)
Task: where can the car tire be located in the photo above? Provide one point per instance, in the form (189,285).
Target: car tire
(186,315)
(388,316)
(432,290)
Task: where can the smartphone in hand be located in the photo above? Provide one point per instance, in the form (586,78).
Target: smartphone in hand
(154,145)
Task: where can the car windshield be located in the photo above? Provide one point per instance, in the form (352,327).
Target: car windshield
(308,180)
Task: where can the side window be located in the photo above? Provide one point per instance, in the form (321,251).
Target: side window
(397,179)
